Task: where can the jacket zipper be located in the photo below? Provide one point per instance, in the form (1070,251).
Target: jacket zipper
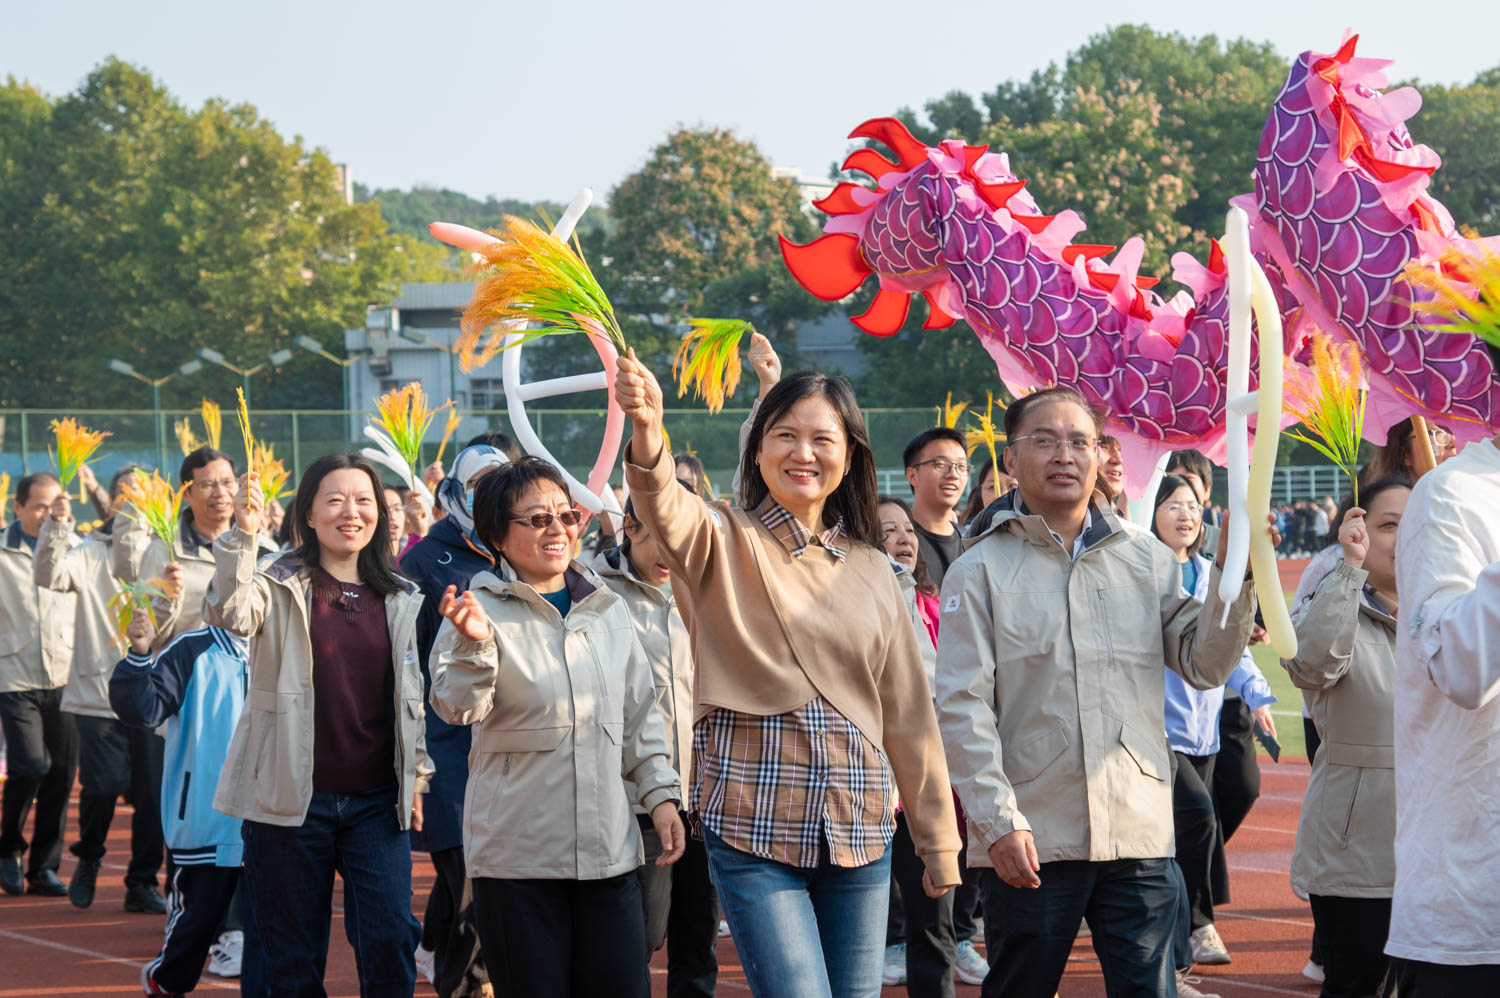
(187,779)
(1109,644)
(1359,780)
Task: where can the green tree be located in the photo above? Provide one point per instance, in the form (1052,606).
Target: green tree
(144,230)
(1463,125)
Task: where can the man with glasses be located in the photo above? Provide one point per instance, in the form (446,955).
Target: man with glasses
(937,469)
(1054,627)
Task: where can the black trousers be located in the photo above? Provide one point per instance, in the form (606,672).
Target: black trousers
(1236,771)
(198,899)
(448,929)
(1351,934)
(1200,846)
(681,908)
(1415,979)
(1131,907)
(41,750)
(930,941)
(116,761)
(582,938)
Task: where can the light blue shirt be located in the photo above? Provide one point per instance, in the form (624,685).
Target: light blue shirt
(1193,715)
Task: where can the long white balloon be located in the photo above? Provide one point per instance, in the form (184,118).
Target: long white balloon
(1250,475)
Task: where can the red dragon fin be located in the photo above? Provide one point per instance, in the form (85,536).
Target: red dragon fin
(870,162)
(886,314)
(936,317)
(830,267)
(909,152)
(841,200)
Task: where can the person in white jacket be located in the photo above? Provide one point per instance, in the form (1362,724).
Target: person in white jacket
(1445,911)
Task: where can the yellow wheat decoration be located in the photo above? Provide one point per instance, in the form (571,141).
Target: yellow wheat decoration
(185,437)
(984,435)
(213,421)
(131,597)
(949,414)
(708,359)
(242,413)
(405,416)
(4,491)
(76,444)
(269,471)
(156,504)
(448,430)
(1465,284)
(1332,408)
(534,278)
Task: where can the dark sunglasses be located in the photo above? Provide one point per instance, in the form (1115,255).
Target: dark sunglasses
(541,521)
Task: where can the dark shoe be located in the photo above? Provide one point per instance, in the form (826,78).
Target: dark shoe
(11,880)
(145,899)
(46,884)
(81,886)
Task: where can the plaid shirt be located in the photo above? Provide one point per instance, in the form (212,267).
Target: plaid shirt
(785,787)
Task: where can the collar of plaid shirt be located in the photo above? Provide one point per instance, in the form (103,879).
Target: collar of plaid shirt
(793,536)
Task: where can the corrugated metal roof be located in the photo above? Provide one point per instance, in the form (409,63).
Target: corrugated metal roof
(447,296)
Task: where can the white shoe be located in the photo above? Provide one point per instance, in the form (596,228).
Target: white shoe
(723,929)
(426,963)
(1313,972)
(1208,948)
(226,955)
(1186,986)
(894,971)
(968,965)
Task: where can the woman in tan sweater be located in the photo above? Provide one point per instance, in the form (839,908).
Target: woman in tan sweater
(810,690)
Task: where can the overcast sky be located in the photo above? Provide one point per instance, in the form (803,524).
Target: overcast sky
(534,100)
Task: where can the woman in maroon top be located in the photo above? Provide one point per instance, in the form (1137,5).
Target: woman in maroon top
(328,757)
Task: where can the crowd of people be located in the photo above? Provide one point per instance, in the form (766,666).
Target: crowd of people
(858,732)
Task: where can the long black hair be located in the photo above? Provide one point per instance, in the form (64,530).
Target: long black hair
(1169,485)
(854,499)
(376,564)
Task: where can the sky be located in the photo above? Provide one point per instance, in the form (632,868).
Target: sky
(537,100)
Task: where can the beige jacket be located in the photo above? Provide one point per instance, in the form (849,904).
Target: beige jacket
(1346,666)
(1050,687)
(908,583)
(564,714)
(137,554)
(668,647)
(268,774)
(36,625)
(65,566)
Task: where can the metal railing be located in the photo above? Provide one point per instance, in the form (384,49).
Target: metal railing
(300,436)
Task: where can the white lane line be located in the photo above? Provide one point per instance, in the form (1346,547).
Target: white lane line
(205,981)
(1268,828)
(1214,981)
(1305,923)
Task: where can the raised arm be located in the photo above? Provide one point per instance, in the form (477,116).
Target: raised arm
(53,566)
(239,597)
(465,661)
(1326,629)
(682,523)
(1204,654)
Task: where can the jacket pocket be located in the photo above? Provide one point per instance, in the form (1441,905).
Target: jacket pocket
(496,740)
(1150,763)
(1359,779)
(1030,759)
(182,801)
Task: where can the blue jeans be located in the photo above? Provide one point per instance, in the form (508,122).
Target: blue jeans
(291,870)
(1132,906)
(803,932)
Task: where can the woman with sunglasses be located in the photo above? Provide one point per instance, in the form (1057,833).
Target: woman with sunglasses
(810,687)
(1192,717)
(541,658)
(328,759)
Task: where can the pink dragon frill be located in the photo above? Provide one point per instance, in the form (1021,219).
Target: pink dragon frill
(953,223)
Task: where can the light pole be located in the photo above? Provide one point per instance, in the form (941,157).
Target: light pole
(120,367)
(215,357)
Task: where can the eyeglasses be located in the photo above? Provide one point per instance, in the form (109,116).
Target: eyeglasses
(541,521)
(218,484)
(941,465)
(1439,436)
(1048,444)
(1178,508)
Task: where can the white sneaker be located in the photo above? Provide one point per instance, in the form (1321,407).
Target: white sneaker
(226,955)
(1208,948)
(1186,986)
(1313,972)
(968,965)
(723,929)
(894,971)
(426,963)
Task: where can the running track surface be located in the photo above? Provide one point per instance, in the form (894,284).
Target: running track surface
(52,949)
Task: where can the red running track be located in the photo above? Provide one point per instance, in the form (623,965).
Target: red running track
(52,949)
